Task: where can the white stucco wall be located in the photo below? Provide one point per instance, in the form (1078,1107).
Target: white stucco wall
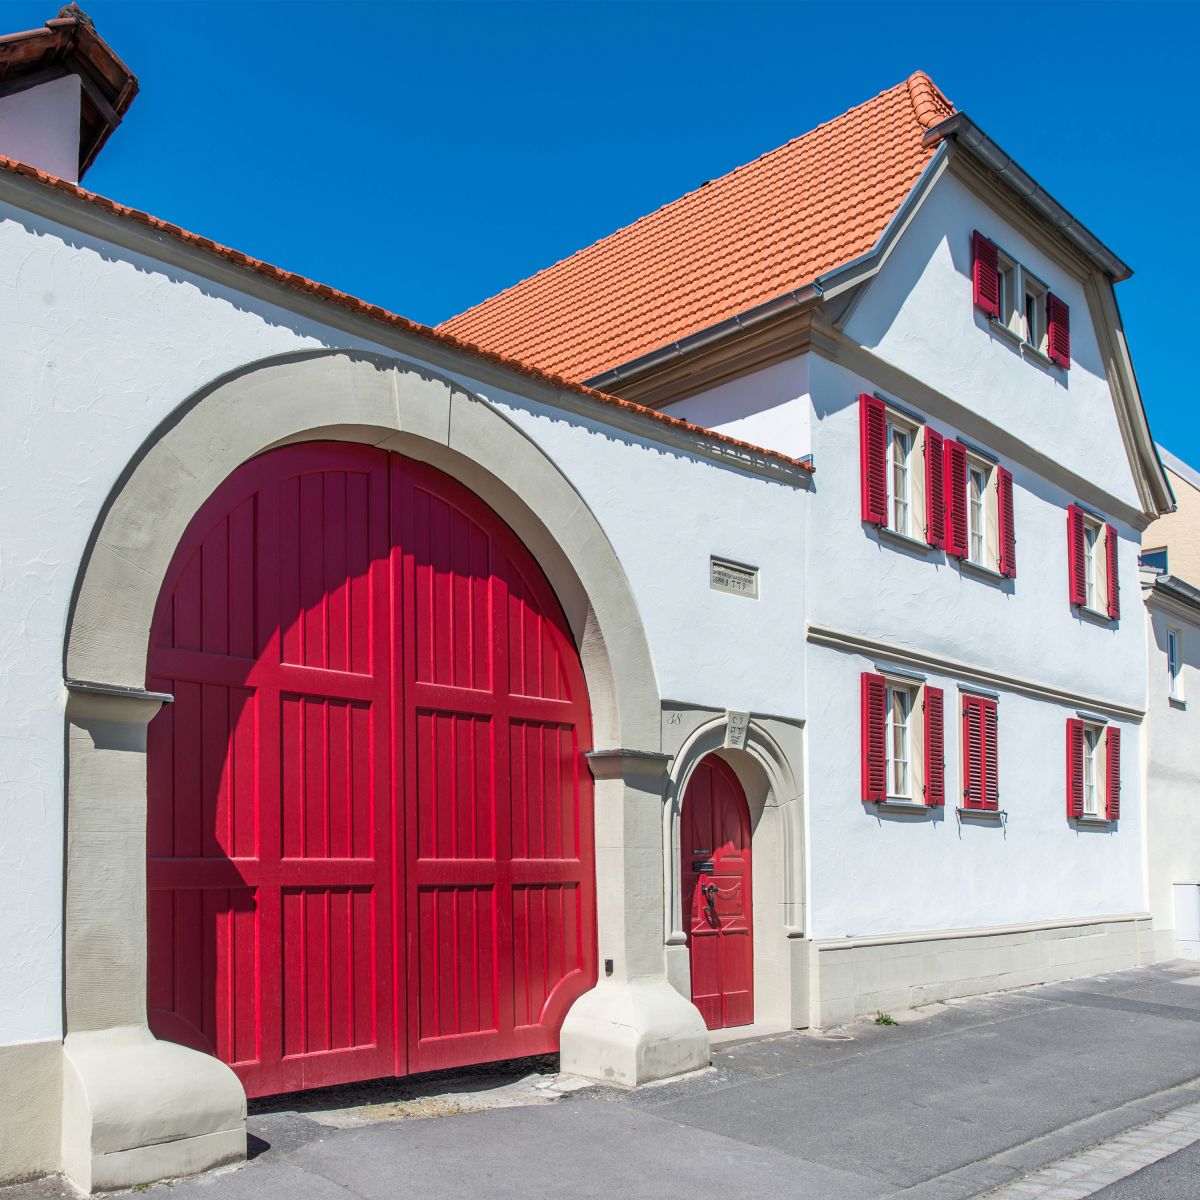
(101,345)
(1172,767)
(41,127)
(767,408)
(918,315)
(875,873)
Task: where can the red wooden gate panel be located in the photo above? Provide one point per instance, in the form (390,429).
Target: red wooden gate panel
(342,629)
(717,896)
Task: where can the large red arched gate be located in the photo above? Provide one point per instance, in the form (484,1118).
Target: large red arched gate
(370,818)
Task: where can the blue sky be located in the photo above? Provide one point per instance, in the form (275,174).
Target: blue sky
(424,156)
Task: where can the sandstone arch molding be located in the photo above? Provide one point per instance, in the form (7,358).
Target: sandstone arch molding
(136,1109)
(768,764)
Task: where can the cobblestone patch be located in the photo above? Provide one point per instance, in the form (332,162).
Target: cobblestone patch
(1090,1171)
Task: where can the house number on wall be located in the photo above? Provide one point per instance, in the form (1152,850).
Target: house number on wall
(726,576)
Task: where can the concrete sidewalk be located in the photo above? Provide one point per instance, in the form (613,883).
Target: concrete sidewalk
(950,1103)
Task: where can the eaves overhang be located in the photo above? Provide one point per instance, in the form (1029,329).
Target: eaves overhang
(1168,587)
(960,129)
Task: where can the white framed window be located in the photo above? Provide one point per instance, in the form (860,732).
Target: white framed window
(1033,312)
(1174,666)
(899,742)
(900,460)
(1022,302)
(1093,771)
(982,530)
(1156,560)
(1095,567)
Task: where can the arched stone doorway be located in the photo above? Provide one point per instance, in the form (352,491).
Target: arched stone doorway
(136,1108)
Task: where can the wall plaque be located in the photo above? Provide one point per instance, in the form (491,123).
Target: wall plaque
(736,726)
(735,578)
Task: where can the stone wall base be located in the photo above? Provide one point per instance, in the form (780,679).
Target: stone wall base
(854,977)
(31,1087)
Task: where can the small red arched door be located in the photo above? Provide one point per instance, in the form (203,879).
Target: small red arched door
(370,820)
(717,897)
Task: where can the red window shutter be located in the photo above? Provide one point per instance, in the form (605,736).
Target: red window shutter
(1074,768)
(1112,780)
(935,492)
(874,745)
(1058,330)
(972,753)
(1111,546)
(935,748)
(986,273)
(991,757)
(1007,530)
(954,484)
(1076,577)
(872,422)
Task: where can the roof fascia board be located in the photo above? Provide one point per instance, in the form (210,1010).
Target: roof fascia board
(1174,596)
(839,348)
(967,135)
(1176,465)
(801,297)
(76,214)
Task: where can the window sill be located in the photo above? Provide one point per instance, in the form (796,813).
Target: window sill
(887,533)
(1094,615)
(1042,360)
(999,327)
(1177,702)
(897,805)
(988,573)
(1090,820)
(982,814)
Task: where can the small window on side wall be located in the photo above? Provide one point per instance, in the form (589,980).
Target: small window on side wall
(1093,771)
(1174,665)
(903,741)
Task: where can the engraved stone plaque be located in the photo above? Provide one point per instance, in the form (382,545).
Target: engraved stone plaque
(735,578)
(736,726)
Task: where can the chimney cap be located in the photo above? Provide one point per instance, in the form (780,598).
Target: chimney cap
(68,44)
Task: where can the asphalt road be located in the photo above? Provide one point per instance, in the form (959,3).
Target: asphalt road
(942,1106)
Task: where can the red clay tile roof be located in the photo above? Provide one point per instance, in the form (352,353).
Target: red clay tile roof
(756,234)
(375,313)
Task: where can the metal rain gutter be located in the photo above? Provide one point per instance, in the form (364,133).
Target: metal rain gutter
(799,298)
(973,139)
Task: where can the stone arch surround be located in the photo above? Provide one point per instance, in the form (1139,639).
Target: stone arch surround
(117,1129)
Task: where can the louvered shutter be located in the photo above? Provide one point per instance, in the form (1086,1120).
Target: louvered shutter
(935,491)
(1111,546)
(954,484)
(1006,528)
(1058,330)
(1076,573)
(991,756)
(1112,780)
(935,748)
(986,273)
(874,745)
(872,421)
(972,753)
(1074,768)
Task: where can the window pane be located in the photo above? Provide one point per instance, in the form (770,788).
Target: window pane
(978,490)
(899,446)
(899,706)
(1156,559)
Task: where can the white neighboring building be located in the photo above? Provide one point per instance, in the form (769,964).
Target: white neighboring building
(1170,579)
(427,704)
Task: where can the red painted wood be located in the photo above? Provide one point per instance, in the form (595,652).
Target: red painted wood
(874,738)
(715,827)
(935,747)
(1112,766)
(1058,331)
(1075,734)
(872,449)
(981,770)
(985,273)
(1111,545)
(1076,567)
(955,495)
(935,490)
(370,831)
(1006,522)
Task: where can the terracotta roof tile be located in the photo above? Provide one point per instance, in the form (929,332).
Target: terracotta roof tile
(382,315)
(765,229)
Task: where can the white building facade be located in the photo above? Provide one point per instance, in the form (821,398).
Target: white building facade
(727,732)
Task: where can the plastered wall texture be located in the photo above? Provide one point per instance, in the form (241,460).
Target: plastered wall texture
(872,874)
(1173,766)
(41,126)
(106,344)
(1179,531)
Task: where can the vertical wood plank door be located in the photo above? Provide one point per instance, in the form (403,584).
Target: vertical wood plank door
(370,818)
(716,867)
